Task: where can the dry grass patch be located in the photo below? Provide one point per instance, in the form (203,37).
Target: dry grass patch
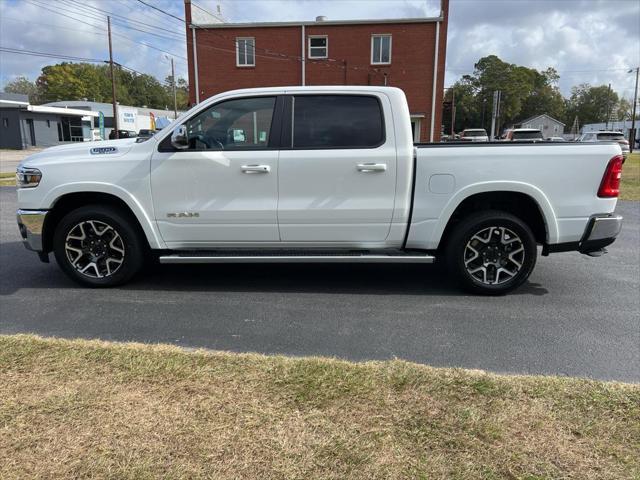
(630,183)
(7,179)
(72,409)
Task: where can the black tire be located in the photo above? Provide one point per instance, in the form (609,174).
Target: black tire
(462,255)
(124,235)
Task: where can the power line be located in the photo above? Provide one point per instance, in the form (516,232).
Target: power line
(116,16)
(162,11)
(102,34)
(102,29)
(98,18)
(22,20)
(157,16)
(207,11)
(20,51)
(269,53)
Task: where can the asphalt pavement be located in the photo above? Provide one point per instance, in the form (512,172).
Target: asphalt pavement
(576,316)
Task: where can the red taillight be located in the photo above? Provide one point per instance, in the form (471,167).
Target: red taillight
(610,185)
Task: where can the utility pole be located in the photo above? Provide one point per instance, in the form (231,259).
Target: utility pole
(608,107)
(499,113)
(494,113)
(632,133)
(453,113)
(113,82)
(173,84)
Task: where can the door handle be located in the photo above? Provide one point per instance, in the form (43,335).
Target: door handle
(255,168)
(371,167)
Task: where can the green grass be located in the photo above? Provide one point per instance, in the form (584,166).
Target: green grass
(71,409)
(630,183)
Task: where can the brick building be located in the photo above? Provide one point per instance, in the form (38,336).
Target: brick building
(405,53)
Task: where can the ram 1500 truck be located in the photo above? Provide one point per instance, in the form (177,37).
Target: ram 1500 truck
(315,174)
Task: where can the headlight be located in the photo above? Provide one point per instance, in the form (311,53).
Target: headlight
(28,177)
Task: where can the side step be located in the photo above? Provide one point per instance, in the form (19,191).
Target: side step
(254,257)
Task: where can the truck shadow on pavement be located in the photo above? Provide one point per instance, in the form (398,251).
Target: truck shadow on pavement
(310,278)
(21,269)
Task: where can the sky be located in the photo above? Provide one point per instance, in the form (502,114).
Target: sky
(587,41)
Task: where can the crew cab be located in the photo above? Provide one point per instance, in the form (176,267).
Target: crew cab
(315,174)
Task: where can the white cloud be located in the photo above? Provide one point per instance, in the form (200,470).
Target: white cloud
(593,41)
(586,41)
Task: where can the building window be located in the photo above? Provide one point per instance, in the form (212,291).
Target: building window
(381,49)
(245,52)
(318,46)
(5,122)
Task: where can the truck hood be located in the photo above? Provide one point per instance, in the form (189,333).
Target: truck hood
(75,151)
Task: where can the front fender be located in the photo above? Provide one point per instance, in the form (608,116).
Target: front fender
(141,214)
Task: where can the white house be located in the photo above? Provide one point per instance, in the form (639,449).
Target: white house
(549,126)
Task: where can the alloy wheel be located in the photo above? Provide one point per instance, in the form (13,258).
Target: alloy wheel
(95,249)
(494,255)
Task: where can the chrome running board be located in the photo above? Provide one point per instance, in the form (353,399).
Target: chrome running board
(194,257)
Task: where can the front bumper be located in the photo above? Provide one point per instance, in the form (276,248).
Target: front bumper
(31,223)
(601,231)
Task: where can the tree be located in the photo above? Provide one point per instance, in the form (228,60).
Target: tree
(22,85)
(544,96)
(79,81)
(525,92)
(74,81)
(624,109)
(182,92)
(591,104)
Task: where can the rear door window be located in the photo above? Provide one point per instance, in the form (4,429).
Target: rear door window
(337,121)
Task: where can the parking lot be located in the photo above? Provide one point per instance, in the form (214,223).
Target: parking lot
(576,316)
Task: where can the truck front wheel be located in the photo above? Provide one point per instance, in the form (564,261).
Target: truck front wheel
(491,252)
(98,246)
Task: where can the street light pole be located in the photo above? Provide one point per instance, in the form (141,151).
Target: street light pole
(113,83)
(632,135)
(175,98)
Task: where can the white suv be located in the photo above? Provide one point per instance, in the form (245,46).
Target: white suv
(474,135)
(607,136)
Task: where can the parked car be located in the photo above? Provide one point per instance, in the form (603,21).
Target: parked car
(607,136)
(321,174)
(523,135)
(145,133)
(556,139)
(122,134)
(474,135)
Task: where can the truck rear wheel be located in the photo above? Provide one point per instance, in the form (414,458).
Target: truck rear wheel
(98,246)
(491,252)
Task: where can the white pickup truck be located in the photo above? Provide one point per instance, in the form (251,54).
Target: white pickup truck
(315,174)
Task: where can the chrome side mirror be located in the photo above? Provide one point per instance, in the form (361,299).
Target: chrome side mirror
(179,138)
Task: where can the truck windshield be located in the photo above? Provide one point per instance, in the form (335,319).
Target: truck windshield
(527,135)
(610,136)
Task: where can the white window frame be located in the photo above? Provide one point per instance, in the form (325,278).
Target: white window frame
(380,35)
(326,53)
(238,64)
